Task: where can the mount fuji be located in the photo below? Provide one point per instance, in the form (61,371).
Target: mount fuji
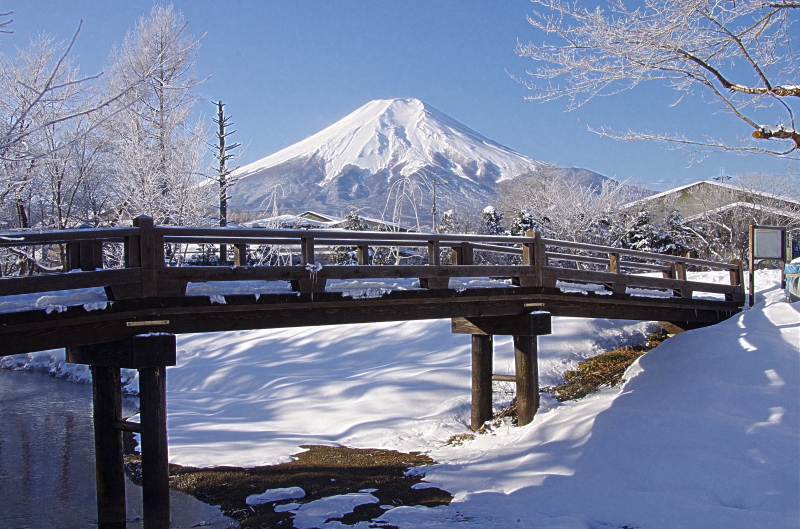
(387,150)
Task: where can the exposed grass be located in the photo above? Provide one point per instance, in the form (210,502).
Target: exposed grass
(603,370)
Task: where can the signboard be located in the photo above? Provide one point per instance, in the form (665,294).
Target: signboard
(766,243)
(769,243)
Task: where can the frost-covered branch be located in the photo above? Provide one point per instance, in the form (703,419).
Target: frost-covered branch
(743,54)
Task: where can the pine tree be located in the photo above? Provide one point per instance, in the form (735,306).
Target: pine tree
(492,221)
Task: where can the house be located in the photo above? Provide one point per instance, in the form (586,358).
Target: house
(701,197)
(718,215)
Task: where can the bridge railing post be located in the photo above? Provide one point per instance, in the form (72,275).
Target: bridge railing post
(462,254)
(148,254)
(363,255)
(737,280)
(434,259)
(240,254)
(312,283)
(534,254)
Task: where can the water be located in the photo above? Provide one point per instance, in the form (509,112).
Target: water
(47,459)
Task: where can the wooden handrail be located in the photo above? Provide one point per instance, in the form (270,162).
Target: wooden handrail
(148,276)
(638,253)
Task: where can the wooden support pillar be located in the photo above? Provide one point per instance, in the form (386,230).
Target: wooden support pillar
(482,363)
(108,455)
(524,328)
(527,371)
(155,461)
(150,354)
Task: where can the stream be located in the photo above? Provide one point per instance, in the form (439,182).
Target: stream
(47,459)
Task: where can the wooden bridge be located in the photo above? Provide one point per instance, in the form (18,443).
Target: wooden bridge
(148,305)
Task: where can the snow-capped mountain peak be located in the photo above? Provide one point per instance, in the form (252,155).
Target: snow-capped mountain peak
(363,153)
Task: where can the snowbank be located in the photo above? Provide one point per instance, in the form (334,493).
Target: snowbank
(705,432)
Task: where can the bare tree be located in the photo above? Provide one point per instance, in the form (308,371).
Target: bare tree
(37,156)
(743,54)
(565,209)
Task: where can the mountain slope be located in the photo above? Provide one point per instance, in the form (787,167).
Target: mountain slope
(385,149)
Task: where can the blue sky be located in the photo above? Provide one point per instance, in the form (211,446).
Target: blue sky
(289,68)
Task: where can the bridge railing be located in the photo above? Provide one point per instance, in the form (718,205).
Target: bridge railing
(145,271)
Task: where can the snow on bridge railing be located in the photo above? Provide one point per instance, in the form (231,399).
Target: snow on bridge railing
(141,250)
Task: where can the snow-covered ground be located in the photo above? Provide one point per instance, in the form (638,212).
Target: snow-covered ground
(705,432)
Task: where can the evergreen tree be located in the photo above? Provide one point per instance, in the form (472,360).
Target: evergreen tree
(523,222)
(347,255)
(492,221)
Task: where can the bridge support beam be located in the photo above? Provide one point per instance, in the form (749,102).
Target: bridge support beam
(108,456)
(524,328)
(482,362)
(526,364)
(150,355)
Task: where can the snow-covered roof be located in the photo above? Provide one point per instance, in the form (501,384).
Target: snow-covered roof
(746,205)
(705,184)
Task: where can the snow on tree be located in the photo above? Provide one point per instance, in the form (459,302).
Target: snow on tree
(160,153)
(492,221)
(743,55)
(347,255)
(667,236)
(565,209)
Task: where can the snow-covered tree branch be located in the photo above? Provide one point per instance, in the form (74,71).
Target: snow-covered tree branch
(743,54)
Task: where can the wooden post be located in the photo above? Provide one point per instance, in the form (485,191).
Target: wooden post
(737,279)
(84,255)
(462,254)
(155,462)
(150,354)
(434,254)
(307,250)
(524,328)
(680,274)
(147,255)
(539,257)
(240,254)
(363,255)
(527,371)
(108,455)
(482,363)
(613,263)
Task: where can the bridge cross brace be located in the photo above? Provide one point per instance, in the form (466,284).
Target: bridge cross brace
(524,328)
(150,354)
